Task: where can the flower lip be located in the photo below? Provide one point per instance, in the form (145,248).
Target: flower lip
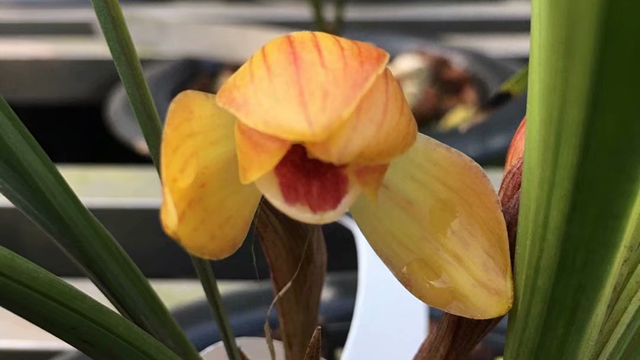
(310,190)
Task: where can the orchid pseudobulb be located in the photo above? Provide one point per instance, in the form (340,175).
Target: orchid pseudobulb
(318,126)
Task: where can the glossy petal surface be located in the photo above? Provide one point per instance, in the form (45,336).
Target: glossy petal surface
(205,207)
(258,153)
(379,129)
(302,86)
(437,225)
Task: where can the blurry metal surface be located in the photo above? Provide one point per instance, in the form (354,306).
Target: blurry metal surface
(56,45)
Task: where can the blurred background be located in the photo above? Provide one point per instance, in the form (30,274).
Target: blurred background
(57,74)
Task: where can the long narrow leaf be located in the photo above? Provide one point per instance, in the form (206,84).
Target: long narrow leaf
(622,327)
(125,58)
(43,299)
(31,181)
(624,336)
(581,179)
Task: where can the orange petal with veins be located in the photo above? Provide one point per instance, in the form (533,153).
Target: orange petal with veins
(205,207)
(302,86)
(258,153)
(380,128)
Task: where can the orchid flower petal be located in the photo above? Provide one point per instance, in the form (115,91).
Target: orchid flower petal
(379,129)
(437,225)
(258,153)
(302,86)
(205,207)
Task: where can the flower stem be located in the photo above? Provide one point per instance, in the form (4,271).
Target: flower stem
(210,286)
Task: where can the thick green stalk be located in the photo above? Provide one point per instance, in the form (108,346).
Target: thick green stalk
(581,180)
(126,59)
(34,185)
(57,307)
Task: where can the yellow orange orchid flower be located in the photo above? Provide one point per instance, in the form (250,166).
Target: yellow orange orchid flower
(318,125)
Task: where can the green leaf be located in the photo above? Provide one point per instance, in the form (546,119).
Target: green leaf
(581,185)
(32,183)
(50,303)
(621,331)
(125,57)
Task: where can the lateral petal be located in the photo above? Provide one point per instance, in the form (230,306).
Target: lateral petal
(258,153)
(302,86)
(205,207)
(438,226)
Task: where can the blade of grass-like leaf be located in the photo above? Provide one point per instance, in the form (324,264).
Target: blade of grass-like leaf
(581,175)
(623,332)
(32,183)
(50,303)
(625,291)
(125,57)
